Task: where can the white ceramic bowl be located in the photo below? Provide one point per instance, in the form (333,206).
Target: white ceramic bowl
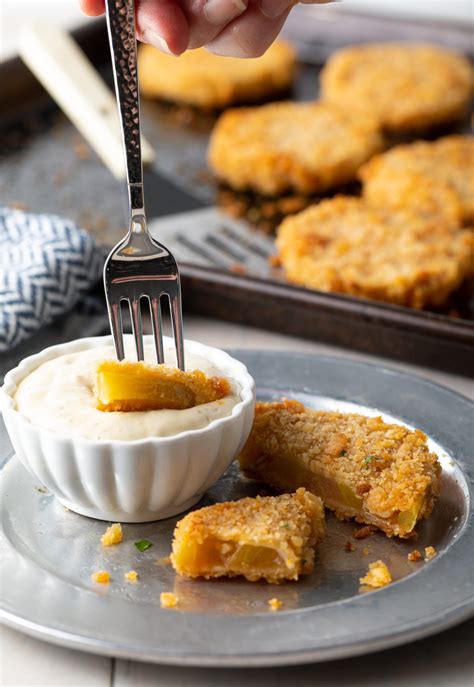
(130,481)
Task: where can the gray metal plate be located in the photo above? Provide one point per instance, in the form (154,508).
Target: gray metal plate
(49,553)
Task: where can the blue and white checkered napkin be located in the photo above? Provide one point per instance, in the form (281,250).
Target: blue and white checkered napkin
(47,264)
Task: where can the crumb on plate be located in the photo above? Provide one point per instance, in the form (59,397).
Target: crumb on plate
(168,600)
(112,535)
(131,576)
(366,550)
(275,604)
(430,552)
(377,576)
(349,547)
(364,532)
(101,576)
(165,560)
(414,556)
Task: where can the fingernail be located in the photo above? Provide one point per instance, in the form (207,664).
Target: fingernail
(219,12)
(157,41)
(274,8)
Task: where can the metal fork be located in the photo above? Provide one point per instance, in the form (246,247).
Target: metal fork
(139,267)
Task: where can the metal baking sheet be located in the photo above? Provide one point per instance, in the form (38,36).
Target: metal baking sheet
(48,553)
(45,166)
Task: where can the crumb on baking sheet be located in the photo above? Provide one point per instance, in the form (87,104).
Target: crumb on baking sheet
(349,547)
(238,268)
(414,556)
(81,150)
(112,535)
(101,576)
(275,604)
(168,600)
(274,260)
(364,532)
(131,576)
(430,552)
(378,575)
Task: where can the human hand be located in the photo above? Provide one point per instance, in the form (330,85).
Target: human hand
(240,28)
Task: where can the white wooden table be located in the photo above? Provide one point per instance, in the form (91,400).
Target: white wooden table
(445,660)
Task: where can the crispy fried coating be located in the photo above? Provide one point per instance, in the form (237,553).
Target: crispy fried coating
(447,162)
(380,474)
(305,147)
(345,246)
(210,81)
(406,86)
(429,197)
(267,537)
(129,386)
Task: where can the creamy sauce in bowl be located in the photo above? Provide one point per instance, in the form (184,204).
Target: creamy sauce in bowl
(58,395)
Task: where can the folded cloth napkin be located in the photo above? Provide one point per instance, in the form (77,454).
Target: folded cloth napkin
(47,265)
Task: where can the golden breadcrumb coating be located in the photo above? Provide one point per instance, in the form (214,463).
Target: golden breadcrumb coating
(402,189)
(406,86)
(267,537)
(210,81)
(449,161)
(129,386)
(168,600)
(345,246)
(362,467)
(101,577)
(112,535)
(306,147)
(378,576)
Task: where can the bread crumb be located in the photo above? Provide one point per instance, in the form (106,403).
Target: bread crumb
(430,552)
(414,555)
(366,550)
(101,576)
(166,560)
(378,575)
(349,547)
(131,576)
(364,532)
(112,535)
(168,600)
(81,151)
(275,604)
(238,268)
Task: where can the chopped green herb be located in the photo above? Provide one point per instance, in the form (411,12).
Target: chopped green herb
(342,453)
(369,459)
(143,544)
(285,525)
(304,561)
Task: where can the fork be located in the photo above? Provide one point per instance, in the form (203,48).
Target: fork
(138,267)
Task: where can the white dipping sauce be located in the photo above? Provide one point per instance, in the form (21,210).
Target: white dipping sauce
(59,396)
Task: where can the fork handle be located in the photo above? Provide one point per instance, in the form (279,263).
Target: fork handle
(123,47)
